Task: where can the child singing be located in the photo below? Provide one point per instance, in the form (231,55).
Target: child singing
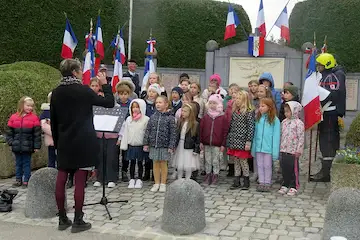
(195,91)
(213,132)
(240,137)
(132,140)
(266,143)
(291,147)
(188,143)
(160,140)
(24,138)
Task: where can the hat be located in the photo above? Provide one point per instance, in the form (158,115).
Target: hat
(155,87)
(103,67)
(219,101)
(126,81)
(216,77)
(178,90)
(292,89)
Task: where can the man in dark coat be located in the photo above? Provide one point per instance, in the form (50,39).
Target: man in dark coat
(131,73)
(75,140)
(334,106)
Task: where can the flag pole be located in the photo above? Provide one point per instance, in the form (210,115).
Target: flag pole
(277,19)
(65,15)
(130,28)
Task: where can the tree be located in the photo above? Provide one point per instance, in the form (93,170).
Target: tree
(33,30)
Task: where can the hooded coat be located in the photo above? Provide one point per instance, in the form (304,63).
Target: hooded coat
(276,94)
(134,130)
(292,131)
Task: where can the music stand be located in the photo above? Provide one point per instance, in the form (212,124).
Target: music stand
(108,120)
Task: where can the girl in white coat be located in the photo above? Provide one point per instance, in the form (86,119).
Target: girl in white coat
(132,139)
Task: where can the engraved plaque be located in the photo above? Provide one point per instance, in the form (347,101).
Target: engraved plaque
(352,86)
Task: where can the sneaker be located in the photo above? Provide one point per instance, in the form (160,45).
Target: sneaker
(97,184)
(111,185)
(138,184)
(131,183)
(292,192)
(267,188)
(25,184)
(260,188)
(17,183)
(162,188)
(155,188)
(283,190)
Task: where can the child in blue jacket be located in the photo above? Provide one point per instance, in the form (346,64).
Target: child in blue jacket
(266,142)
(267,79)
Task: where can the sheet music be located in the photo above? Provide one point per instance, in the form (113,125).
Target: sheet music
(105,123)
(323,93)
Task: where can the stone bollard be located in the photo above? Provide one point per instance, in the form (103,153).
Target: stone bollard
(184,208)
(342,217)
(40,199)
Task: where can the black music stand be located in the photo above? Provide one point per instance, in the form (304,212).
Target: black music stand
(108,120)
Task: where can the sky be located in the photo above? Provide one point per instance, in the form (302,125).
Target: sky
(272,10)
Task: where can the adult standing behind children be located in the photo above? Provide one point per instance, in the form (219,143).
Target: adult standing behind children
(74,136)
(131,73)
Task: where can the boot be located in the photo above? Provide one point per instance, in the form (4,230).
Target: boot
(231,170)
(207,179)
(64,221)
(194,175)
(236,184)
(215,179)
(79,225)
(124,177)
(324,174)
(246,183)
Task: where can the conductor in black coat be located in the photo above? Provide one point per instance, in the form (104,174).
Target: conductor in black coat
(71,115)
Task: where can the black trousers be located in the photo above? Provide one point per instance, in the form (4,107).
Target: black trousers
(329,136)
(124,161)
(139,164)
(290,170)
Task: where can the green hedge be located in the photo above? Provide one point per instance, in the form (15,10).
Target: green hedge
(20,79)
(336,19)
(353,135)
(181,27)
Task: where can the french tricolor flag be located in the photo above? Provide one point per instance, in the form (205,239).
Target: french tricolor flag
(256,46)
(150,65)
(69,42)
(283,23)
(311,96)
(260,23)
(119,59)
(232,22)
(88,70)
(99,43)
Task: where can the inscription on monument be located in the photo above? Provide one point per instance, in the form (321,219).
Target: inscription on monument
(352,86)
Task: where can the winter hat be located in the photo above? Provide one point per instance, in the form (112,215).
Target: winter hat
(178,90)
(216,77)
(292,89)
(155,87)
(219,101)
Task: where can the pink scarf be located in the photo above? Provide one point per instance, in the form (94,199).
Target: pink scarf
(213,113)
(136,116)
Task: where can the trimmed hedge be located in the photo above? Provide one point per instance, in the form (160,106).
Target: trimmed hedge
(181,28)
(20,79)
(353,135)
(336,19)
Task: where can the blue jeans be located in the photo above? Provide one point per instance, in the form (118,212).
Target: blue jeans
(23,166)
(51,157)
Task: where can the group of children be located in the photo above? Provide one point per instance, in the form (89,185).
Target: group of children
(192,131)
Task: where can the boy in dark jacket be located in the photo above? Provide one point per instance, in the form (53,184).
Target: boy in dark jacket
(291,93)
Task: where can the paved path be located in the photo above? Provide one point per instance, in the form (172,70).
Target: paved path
(229,214)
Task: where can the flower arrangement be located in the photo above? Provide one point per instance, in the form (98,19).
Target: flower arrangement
(341,124)
(348,155)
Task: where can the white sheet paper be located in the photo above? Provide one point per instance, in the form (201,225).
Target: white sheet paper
(105,123)
(323,93)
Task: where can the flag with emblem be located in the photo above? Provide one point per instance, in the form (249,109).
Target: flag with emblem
(149,65)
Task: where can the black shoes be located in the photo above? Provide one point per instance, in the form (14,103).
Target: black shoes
(124,177)
(236,184)
(246,183)
(64,221)
(231,170)
(79,225)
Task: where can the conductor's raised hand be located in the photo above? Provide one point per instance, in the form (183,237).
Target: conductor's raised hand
(102,78)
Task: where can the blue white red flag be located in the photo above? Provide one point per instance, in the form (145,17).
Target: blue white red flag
(232,21)
(69,41)
(256,46)
(149,63)
(119,60)
(88,70)
(260,22)
(283,23)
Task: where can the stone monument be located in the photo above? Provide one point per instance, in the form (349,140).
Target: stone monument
(342,217)
(184,208)
(40,200)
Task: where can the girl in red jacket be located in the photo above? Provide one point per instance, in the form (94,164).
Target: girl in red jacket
(24,138)
(213,132)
